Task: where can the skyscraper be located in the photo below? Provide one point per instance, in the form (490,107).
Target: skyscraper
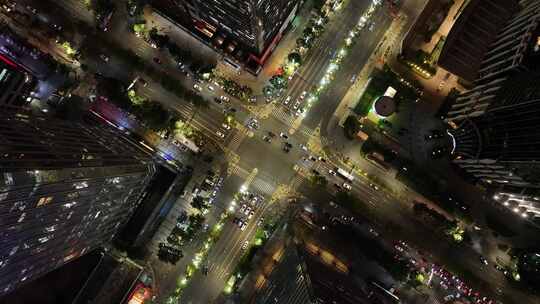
(243,29)
(65,189)
(496,123)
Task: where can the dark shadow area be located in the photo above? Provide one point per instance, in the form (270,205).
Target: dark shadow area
(57,287)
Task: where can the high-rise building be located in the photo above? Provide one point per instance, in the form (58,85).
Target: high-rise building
(247,30)
(65,189)
(496,124)
(15,84)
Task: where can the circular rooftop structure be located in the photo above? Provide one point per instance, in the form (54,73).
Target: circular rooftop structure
(384,106)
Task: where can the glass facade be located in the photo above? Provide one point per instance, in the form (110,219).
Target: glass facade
(65,189)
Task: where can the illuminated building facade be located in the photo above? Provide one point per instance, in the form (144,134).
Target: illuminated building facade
(240,29)
(496,124)
(65,189)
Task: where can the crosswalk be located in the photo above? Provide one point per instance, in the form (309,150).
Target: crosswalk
(296,181)
(234,169)
(236,140)
(262,186)
(280,114)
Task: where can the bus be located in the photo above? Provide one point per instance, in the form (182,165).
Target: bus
(344,174)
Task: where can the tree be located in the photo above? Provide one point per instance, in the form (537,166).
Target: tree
(318,180)
(351,126)
(181,127)
(295,58)
(278,81)
(195,223)
(158,39)
(154,115)
(179,54)
(114,90)
(198,203)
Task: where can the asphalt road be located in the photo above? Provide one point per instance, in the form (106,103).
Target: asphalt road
(274,165)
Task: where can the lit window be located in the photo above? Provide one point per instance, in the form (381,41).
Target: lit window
(24,279)
(19,205)
(81,185)
(69,205)
(45,238)
(44,201)
(50,228)
(21,218)
(8,179)
(97,214)
(13,250)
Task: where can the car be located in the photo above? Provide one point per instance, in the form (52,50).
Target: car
(312,158)
(287,100)
(374,232)
(156,60)
(332,172)
(210,88)
(224,98)
(353,78)
(247,210)
(371,27)
(245,245)
(217,100)
(321,159)
(267,139)
(296,105)
(226,126)
(104,57)
(197,87)
(303,95)
(243,225)
(483,260)
(283,135)
(218,133)
(303,147)
(347,186)
(271,134)
(252,99)
(243,208)
(251,213)
(286,148)
(372,185)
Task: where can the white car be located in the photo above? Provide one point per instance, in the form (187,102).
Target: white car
(303,95)
(287,100)
(347,186)
(224,98)
(226,126)
(210,88)
(243,225)
(303,147)
(197,87)
(283,135)
(251,213)
(247,210)
(245,245)
(296,105)
(218,133)
(332,172)
(243,208)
